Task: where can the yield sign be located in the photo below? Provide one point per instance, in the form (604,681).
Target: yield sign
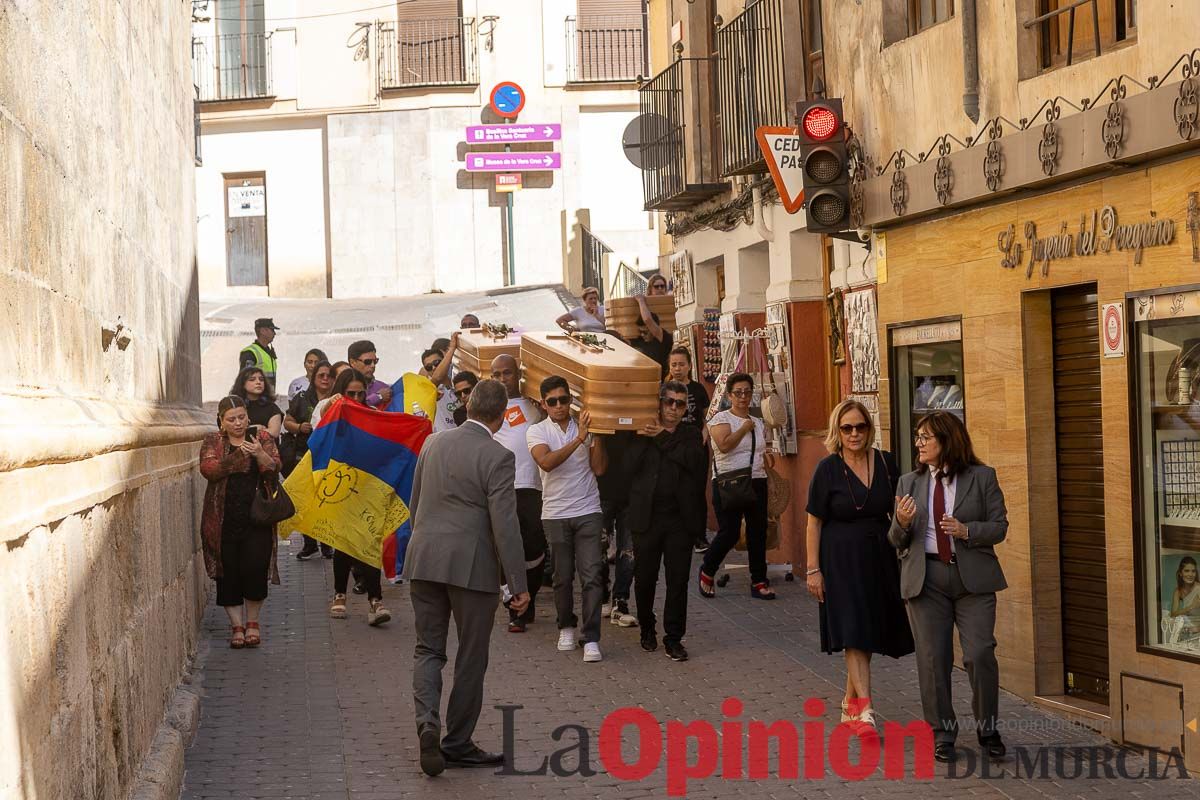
(781,148)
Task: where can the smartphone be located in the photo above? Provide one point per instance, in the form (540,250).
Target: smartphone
(252,432)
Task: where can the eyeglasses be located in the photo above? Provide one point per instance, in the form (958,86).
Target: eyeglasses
(432,365)
(742,392)
(370,362)
(558,400)
(923,438)
(858,427)
(674,402)
(357,395)
(462,392)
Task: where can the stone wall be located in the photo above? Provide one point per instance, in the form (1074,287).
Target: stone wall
(101,584)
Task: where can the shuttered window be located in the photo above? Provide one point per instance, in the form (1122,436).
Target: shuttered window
(429,39)
(606,40)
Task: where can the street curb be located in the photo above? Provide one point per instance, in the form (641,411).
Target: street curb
(160,776)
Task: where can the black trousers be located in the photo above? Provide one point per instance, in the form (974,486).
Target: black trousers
(245,565)
(342,563)
(729,529)
(668,544)
(533,540)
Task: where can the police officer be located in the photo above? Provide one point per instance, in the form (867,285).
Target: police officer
(259,353)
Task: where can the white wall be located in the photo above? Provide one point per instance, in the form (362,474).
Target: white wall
(293,160)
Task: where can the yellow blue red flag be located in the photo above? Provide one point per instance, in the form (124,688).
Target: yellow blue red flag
(414,394)
(353,486)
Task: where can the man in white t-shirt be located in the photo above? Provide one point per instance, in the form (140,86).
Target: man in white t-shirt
(520,415)
(447,404)
(569,459)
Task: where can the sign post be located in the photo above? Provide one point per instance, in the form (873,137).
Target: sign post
(781,148)
(506,101)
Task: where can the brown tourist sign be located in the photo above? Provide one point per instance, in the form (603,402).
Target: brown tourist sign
(1098,232)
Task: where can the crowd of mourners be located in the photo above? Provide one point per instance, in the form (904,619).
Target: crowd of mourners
(896,562)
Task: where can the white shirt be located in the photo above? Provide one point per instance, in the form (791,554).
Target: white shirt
(520,415)
(739,457)
(297,386)
(587,322)
(949,486)
(485,427)
(443,418)
(570,490)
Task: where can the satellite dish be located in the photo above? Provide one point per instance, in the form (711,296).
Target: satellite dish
(645,136)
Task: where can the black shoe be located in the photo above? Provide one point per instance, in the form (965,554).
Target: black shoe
(359,588)
(945,753)
(432,761)
(326,551)
(307,553)
(649,641)
(675,651)
(516,625)
(993,746)
(473,758)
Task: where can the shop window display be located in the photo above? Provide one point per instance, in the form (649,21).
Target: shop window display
(927,365)
(1168,405)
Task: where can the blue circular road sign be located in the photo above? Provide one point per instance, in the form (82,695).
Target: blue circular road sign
(507,99)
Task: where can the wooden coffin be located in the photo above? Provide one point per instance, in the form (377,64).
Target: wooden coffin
(476,349)
(621,314)
(619,386)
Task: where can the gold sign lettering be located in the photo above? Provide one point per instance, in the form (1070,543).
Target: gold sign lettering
(1099,232)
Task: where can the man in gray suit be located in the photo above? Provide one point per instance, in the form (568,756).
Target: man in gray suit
(949,514)
(465,537)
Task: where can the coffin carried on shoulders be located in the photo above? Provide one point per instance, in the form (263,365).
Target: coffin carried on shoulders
(621,314)
(616,383)
(478,346)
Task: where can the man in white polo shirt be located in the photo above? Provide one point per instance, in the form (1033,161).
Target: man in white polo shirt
(569,459)
(520,415)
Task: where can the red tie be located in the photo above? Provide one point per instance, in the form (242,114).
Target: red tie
(939,511)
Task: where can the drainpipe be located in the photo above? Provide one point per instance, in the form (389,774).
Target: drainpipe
(970,48)
(760,220)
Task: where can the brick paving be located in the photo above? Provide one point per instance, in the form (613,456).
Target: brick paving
(323,710)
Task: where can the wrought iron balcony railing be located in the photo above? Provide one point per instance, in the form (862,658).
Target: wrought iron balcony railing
(675,137)
(750,76)
(594,251)
(607,48)
(428,52)
(232,66)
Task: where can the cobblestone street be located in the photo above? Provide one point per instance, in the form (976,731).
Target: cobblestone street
(323,710)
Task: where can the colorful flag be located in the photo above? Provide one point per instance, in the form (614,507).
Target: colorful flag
(353,486)
(414,394)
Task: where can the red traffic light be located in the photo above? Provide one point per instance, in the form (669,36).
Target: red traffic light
(820,123)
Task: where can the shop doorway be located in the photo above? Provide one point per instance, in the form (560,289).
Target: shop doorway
(1079,440)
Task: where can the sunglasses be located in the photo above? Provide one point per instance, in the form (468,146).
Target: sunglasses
(370,362)
(432,365)
(742,392)
(858,427)
(357,395)
(560,400)
(672,402)
(461,392)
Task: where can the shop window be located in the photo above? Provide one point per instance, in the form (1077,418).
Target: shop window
(927,375)
(1069,32)
(904,18)
(1167,389)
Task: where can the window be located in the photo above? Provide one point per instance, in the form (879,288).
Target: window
(242,50)
(924,14)
(1167,387)
(927,370)
(1068,29)
(814,39)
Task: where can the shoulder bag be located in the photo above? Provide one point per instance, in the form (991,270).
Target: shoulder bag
(734,487)
(271,503)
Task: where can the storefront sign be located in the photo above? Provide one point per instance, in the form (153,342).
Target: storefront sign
(1166,306)
(1112,327)
(247,201)
(1099,232)
(927,334)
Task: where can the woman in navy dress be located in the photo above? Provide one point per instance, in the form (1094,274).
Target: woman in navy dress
(852,570)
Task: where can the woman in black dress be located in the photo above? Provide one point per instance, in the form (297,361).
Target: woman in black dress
(852,570)
(253,387)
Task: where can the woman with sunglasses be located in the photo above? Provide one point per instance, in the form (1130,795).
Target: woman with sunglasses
(739,441)
(352,385)
(852,570)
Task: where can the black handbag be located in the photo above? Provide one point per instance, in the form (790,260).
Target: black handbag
(271,503)
(734,488)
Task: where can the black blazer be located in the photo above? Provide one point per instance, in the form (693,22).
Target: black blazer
(682,451)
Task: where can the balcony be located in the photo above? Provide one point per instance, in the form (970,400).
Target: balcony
(231,67)
(428,52)
(751,87)
(607,48)
(675,140)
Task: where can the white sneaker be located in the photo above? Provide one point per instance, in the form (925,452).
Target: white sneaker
(591,652)
(567,639)
(620,616)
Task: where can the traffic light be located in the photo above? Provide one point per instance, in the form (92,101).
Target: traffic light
(826,167)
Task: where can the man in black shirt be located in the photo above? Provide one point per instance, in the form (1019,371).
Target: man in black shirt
(653,341)
(680,369)
(464,382)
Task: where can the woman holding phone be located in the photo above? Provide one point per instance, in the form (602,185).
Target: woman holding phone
(239,554)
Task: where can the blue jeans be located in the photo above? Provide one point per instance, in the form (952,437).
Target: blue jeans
(616,524)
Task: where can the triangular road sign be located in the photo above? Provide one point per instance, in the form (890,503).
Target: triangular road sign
(781,148)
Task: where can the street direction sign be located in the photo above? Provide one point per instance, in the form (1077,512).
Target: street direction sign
(507,99)
(513,162)
(781,148)
(513,134)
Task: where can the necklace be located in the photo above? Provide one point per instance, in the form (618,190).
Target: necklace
(850,488)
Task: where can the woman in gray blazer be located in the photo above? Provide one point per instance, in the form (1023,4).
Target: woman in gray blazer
(949,515)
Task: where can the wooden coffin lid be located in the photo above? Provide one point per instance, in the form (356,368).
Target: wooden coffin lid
(476,349)
(621,314)
(570,358)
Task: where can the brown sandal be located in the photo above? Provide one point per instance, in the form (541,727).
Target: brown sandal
(238,640)
(252,637)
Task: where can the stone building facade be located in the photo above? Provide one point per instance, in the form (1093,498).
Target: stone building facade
(102,583)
